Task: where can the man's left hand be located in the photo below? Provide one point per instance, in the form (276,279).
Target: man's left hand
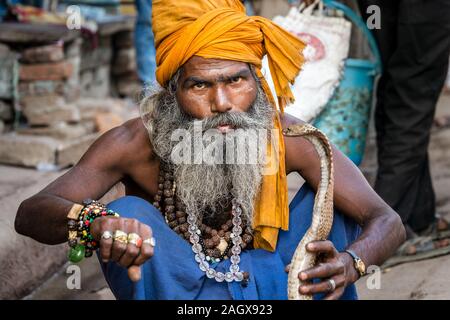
(331,265)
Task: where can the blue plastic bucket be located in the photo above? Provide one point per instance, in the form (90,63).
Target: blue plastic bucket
(345,118)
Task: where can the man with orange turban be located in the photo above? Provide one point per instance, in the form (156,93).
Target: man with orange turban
(214,169)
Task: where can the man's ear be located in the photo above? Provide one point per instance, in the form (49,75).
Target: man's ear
(174,83)
(146,109)
(254,75)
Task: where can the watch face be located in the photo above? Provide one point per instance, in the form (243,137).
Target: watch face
(360,266)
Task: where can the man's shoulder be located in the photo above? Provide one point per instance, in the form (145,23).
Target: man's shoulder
(297,149)
(128,142)
(288,120)
(131,132)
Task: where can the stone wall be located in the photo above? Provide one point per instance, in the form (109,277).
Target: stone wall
(124,66)
(56,96)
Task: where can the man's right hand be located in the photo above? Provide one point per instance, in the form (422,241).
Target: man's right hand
(126,255)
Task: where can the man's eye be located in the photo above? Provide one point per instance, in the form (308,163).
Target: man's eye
(236,79)
(199,85)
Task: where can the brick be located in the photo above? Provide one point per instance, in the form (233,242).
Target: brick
(41,101)
(46,71)
(42,152)
(69,153)
(101,55)
(120,23)
(90,107)
(101,86)
(50,115)
(41,87)
(69,88)
(48,109)
(8,127)
(130,77)
(86,78)
(107,120)
(124,39)
(60,130)
(29,151)
(72,93)
(25,33)
(48,53)
(128,87)
(4,50)
(124,61)
(89,125)
(8,69)
(73,48)
(96,83)
(72,88)
(6,111)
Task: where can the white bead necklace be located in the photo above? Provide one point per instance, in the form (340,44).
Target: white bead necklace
(234,274)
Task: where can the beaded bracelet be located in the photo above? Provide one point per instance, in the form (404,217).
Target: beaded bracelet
(72,224)
(79,227)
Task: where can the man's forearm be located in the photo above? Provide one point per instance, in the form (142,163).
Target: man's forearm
(379,239)
(43,217)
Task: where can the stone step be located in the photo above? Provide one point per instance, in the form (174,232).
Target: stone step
(42,152)
(24,263)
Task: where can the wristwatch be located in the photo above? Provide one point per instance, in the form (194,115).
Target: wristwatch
(358,263)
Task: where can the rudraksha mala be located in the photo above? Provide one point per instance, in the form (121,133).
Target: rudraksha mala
(215,243)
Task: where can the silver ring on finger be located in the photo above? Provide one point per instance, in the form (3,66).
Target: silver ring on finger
(151,241)
(331,285)
(107,235)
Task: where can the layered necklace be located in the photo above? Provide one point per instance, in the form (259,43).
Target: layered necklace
(209,245)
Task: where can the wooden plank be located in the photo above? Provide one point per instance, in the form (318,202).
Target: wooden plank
(13,32)
(115,24)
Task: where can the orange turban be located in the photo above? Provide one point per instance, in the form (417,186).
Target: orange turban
(220,29)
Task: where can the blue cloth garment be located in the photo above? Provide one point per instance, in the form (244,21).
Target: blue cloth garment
(172,272)
(144,42)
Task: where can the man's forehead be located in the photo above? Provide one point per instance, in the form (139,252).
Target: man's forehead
(206,67)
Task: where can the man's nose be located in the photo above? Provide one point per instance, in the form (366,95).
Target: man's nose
(220,100)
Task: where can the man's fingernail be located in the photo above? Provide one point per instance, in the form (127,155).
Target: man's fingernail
(134,273)
(303,276)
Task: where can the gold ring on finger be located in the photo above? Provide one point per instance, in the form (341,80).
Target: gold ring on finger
(135,239)
(120,236)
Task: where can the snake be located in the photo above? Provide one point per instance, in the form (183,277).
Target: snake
(322,216)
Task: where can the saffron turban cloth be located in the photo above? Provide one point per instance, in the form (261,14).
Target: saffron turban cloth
(220,29)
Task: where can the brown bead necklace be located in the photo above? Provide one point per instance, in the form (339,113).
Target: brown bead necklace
(216,243)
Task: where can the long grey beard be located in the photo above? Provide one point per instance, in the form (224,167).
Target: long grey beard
(205,189)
